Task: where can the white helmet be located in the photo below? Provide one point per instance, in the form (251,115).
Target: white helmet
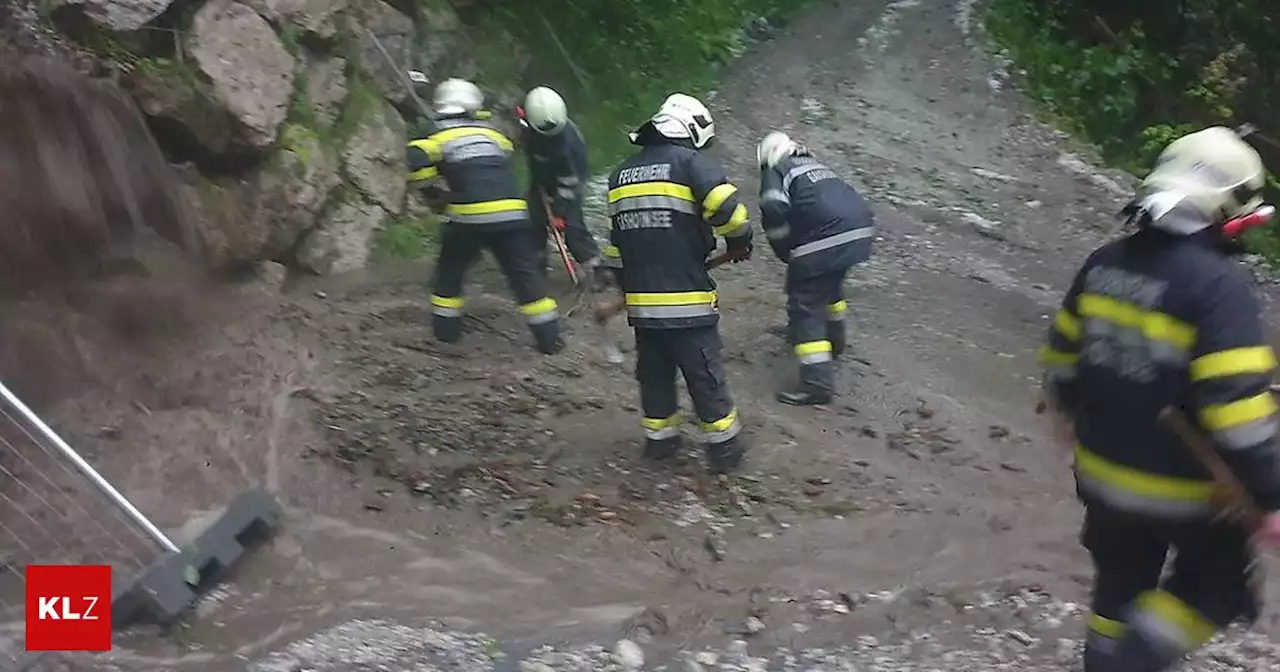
(1214,170)
(545,111)
(683,116)
(457,96)
(775,147)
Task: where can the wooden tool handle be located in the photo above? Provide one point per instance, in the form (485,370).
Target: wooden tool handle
(1233,499)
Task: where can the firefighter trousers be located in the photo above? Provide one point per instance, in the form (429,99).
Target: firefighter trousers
(816,327)
(1142,622)
(582,245)
(459,248)
(697,353)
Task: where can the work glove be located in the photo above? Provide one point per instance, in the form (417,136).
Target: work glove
(557,223)
(739,248)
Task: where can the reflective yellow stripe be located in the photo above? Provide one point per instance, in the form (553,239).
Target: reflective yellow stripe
(1050,357)
(612,251)
(1138,482)
(812,348)
(837,307)
(737,221)
(428,173)
(661,423)
(1154,325)
(463,131)
(1233,362)
(670,189)
(1067,325)
(722,424)
(1106,627)
(1225,416)
(486,207)
(429,147)
(539,307)
(716,198)
(1194,628)
(448,301)
(670,298)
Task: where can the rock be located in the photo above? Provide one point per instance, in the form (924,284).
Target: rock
(374,158)
(271,275)
(229,232)
(628,655)
(313,16)
(249,68)
(294,187)
(395,31)
(534,666)
(343,239)
(326,87)
(708,658)
(755,625)
(175,93)
(118,16)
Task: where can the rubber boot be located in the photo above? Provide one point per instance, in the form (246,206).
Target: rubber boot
(816,386)
(662,449)
(546,336)
(726,457)
(1135,653)
(838,335)
(446,329)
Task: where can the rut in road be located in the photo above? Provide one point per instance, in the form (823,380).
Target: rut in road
(489,489)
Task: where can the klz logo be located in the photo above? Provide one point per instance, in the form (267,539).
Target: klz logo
(68,608)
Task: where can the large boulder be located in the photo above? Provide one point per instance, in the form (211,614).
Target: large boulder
(293,188)
(395,31)
(374,158)
(230,232)
(119,16)
(313,16)
(250,70)
(343,241)
(326,87)
(183,106)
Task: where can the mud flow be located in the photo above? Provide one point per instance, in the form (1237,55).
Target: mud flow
(478,506)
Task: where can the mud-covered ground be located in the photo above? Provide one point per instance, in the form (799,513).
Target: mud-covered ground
(461,507)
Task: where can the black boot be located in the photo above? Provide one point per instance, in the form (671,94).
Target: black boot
(817,384)
(803,398)
(662,449)
(546,336)
(726,457)
(838,336)
(446,329)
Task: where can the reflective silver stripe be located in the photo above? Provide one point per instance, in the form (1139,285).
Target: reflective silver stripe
(633,203)
(471,147)
(1160,350)
(1166,509)
(838,317)
(540,318)
(725,434)
(661,434)
(833,241)
(671,312)
(1162,633)
(815,358)
(611,262)
(797,172)
(568,180)
(446,312)
(778,233)
(488,217)
(1059,374)
(1247,435)
(776,195)
(566,193)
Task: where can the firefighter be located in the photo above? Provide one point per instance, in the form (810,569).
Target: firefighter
(557,157)
(1165,317)
(667,203)
(465,166)
(820,227)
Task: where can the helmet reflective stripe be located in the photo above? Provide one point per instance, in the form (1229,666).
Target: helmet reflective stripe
(545,111)
(457,96)
(683,116)
(775,147)
(1213,170)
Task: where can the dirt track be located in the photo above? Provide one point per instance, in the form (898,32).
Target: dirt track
(489,489)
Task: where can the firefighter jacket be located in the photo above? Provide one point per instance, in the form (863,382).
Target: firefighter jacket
(474,160)
(667,203)
(815,221)
(1156,320)
(558,165)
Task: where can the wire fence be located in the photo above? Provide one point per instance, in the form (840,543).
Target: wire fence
(55,510)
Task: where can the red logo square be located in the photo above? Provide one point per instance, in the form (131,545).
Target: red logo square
(68,608)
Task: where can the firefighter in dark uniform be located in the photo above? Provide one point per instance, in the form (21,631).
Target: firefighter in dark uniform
(667,203)
(821,227)
(557,157)
(1165,317)
(482,209)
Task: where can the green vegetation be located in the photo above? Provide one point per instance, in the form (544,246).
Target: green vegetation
(406,238)
(1130,77)
(615,61)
